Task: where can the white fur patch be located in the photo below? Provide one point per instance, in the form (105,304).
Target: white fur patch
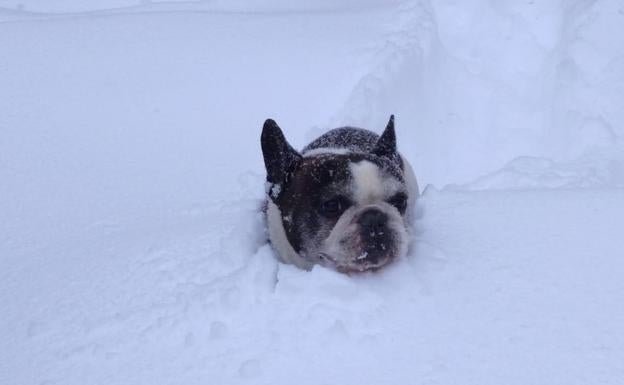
(277,234)
(368,185)
(412,189)
(326,150)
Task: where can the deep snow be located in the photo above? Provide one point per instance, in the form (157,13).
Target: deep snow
(132,249)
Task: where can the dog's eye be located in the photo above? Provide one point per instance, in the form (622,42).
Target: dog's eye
(334,206)
(399,201)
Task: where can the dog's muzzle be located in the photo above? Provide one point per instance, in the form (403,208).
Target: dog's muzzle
(370,241)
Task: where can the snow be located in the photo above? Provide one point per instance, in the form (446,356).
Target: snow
(132,243)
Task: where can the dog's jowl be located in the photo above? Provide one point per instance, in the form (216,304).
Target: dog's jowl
(343,202)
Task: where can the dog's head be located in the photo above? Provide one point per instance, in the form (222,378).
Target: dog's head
(336,206)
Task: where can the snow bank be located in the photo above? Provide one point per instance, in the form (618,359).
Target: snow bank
(600,168)
(475,85)
(498,281)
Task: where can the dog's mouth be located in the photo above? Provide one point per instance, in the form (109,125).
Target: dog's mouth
(359,264)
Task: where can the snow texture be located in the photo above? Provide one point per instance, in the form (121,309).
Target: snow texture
(132,244)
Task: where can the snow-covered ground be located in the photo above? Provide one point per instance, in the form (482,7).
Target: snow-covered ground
(132,250)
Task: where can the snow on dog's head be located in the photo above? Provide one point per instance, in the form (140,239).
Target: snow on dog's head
(344,202)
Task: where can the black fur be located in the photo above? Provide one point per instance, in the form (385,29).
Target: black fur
(386,145)
(280,159)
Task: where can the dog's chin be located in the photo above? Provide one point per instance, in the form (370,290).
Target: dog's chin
(354,265)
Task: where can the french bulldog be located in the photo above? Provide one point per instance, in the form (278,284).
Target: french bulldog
(345,201)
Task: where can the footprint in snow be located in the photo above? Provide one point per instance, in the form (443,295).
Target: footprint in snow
(250,369)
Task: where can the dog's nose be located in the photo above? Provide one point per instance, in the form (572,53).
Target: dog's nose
(373,222)
(373,229)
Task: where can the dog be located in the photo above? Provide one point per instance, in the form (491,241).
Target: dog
(345,201)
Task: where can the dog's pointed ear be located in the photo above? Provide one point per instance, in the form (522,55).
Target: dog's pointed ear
(280,158)
(386,144)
